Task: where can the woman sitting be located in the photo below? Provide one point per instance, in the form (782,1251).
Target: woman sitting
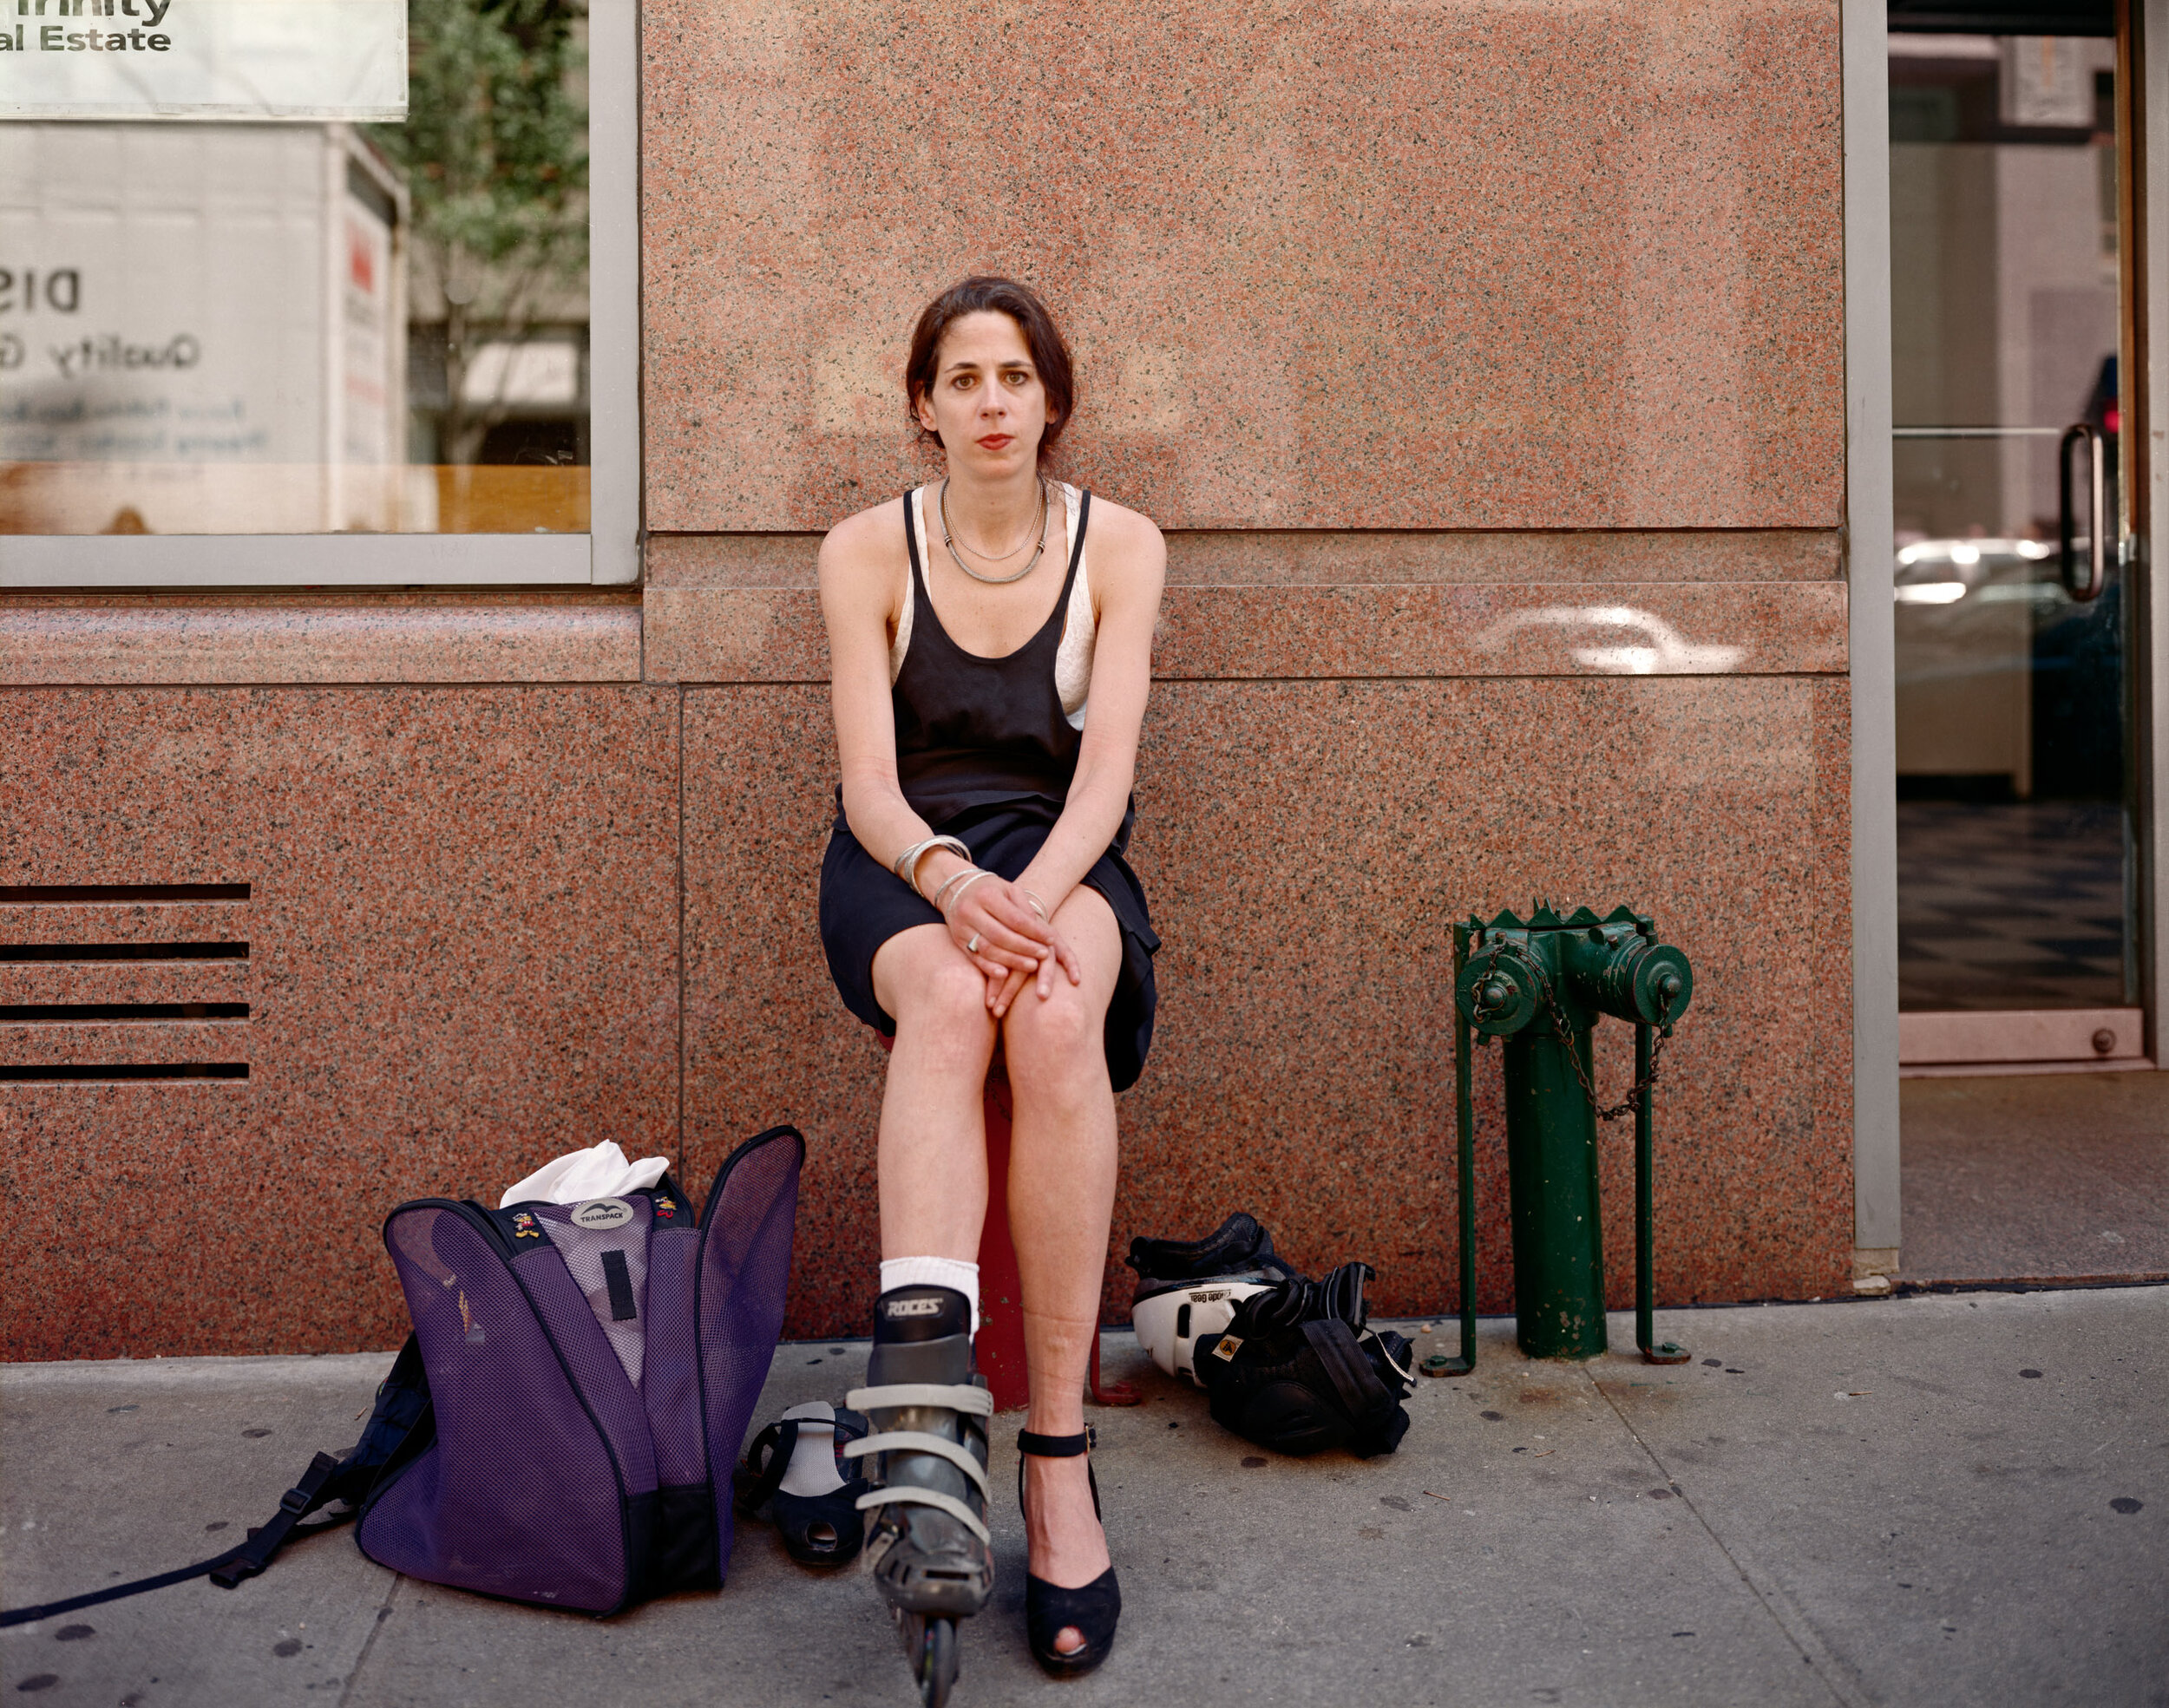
(990,641)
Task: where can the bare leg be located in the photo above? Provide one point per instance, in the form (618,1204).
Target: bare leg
(932,1153)
(1061,1197)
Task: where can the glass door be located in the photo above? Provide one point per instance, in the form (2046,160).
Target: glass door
(2017,857)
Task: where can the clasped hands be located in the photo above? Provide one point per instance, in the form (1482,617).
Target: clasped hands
(1006,929)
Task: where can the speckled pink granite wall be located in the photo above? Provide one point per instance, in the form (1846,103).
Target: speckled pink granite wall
(1303,1067)
(465,908)
(1486,365)
(1411,323)
(463,921)
(1430,265)
(462,934)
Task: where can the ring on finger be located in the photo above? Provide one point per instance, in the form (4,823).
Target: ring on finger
(971,944)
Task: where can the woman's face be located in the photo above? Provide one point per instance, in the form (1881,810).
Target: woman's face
(986,402)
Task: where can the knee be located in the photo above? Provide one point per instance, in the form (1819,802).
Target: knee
(1062,1034)
(948,1003)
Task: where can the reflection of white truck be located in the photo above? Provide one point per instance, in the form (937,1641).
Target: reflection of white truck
(202,329)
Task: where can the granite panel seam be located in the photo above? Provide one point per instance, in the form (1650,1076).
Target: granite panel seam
(1324,557)
(1353,632)
(677,713)
(87,640)
(370,685)
(1160,676)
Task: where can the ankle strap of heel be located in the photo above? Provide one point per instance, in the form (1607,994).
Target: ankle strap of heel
(1058,1447)
(1031,1446)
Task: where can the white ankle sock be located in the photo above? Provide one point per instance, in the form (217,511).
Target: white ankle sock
(934,1272)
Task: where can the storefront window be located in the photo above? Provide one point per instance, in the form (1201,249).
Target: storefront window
(294,267)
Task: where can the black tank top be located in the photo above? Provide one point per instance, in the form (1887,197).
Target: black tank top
(973,732)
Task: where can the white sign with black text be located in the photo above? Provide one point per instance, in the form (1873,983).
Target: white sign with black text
(203,59)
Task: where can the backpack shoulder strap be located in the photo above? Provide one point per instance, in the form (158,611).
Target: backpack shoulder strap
(401,1414)
(226,1569)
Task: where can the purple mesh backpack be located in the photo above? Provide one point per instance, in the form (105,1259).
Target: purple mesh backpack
(562,1424)
(591,1369)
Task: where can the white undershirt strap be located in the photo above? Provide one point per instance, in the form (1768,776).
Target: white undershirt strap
(1080,625)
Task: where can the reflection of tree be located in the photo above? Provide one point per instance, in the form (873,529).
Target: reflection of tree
(494,152)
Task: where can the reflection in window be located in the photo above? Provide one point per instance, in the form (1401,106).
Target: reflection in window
(2010,696)
(269,326)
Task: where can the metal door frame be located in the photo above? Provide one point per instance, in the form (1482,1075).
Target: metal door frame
(1868,531)
(2144,164)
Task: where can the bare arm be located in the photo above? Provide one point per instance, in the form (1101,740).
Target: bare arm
(858,603)
(1129,568)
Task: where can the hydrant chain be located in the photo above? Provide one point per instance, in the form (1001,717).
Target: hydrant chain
(1574,1059)
(1491,997)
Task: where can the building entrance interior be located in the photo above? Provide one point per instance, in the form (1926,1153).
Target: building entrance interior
(2033,1130)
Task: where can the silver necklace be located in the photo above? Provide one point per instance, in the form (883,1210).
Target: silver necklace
(941,502)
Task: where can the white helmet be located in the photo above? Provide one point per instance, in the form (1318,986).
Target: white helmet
(1169,1322)
(1190,1287)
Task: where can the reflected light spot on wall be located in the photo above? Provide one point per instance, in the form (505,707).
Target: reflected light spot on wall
(1634,643)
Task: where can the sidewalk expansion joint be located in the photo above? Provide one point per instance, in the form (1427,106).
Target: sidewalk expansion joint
(1827,1667)
(375,1629)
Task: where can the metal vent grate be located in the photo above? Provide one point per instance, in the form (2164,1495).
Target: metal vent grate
(81,893)
(65,1073)
(27,954)
(122,983)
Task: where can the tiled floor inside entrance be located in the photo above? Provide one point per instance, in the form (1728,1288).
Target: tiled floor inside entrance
(2048,1177)
(2016,905)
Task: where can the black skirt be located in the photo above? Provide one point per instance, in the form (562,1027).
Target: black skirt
(863,905)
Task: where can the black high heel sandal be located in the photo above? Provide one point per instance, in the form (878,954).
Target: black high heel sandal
(1049,1608)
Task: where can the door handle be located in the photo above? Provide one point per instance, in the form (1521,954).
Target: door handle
(2097,531)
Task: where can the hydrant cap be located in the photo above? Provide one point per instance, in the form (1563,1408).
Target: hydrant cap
(1498,990)
(1664,983)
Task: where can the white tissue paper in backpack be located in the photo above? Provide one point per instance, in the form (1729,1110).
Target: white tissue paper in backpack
(579,1176)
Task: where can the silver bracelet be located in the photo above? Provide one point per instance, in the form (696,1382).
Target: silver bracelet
(949,882)
(906,865)
(970,878)
(904,860)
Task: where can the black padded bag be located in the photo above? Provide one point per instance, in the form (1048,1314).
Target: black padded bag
(1299,1370)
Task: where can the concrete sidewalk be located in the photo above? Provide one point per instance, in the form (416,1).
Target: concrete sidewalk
(1933,1500)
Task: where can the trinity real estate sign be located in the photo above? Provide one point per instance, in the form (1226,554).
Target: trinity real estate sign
(203,59)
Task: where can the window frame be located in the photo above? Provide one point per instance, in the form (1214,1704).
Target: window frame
(608,555)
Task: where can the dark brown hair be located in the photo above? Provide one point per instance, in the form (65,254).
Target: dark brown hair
(986,295)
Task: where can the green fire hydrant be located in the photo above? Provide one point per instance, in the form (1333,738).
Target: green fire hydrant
(1540,986)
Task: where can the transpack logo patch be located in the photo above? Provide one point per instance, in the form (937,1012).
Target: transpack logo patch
(599,1212)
